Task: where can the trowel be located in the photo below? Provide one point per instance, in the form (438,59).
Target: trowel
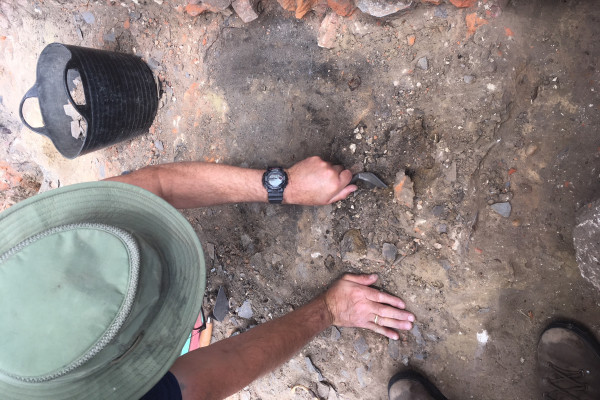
(219,312)
(369,179)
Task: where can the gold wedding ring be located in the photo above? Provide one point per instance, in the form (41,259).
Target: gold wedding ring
(376,318)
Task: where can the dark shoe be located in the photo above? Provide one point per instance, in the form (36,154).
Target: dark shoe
(568,363)
(410,385)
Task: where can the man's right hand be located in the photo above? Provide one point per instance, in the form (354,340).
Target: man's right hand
(352,303)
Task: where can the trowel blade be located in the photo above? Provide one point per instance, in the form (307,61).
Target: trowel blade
(370,178)
(221,305)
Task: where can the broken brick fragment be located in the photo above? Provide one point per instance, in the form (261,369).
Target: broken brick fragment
(345,8)
(328,31)
(463,3)
(303,7)
(473,23)
(195,9)
(288,5)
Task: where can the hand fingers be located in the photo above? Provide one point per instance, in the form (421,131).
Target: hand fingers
(338,168)
(382,297)
(361,279)
(382,330)
(343,193)
(394,323)
(345,176)
(392,312)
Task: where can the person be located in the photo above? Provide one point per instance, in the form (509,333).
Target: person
(568,368)
(116,245)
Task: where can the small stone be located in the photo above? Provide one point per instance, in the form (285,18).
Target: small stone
(217,5)
(389,252)
(353,247)
(438,210)
(532,148)
(405,360)
(352,148)
(245,310)
(393,349)
(328,31)
(210,250)
(403,190)
(423,63)
(312,369)
(109,37)
(360,345)
(437,246)
(503,209)
(516,222)
(343,8)
(417,334)
(247,10)
(450,173)
(159,145)
(332,394)
(586,239)
(257,261)
(442,228)
(246,241)
(88,17)
(468,78)
(360,374)
(322,389)
(329,262)
(382,8)
(335,334)
(440,12)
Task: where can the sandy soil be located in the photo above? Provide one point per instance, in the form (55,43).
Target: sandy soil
(507,112)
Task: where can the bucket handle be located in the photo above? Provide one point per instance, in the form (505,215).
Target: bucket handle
(33,92)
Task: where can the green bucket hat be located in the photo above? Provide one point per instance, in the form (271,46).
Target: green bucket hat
(100,285)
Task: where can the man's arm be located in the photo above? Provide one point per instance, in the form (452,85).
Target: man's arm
(196,184)
(227,366)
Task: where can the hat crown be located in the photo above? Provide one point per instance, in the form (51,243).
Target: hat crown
(64,295)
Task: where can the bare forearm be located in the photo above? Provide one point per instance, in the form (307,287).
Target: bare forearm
(228,366)
(197,184)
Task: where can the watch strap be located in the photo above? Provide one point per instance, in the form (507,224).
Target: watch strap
(275,197)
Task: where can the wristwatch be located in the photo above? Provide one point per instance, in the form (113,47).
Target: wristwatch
(275,180)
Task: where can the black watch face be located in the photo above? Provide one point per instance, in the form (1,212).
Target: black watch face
(275,179)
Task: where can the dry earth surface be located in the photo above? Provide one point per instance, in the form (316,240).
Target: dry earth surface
(504,110)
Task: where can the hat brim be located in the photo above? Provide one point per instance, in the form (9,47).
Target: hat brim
(163,227)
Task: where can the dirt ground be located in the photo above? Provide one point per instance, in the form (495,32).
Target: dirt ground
(506,111)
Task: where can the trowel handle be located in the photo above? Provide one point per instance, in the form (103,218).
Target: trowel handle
(206,334)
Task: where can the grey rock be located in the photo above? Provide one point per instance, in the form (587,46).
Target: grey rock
(361,375)
(586,239)
(134,15)
(360,345)
(468,78)
(439,210)
(110,37)
(405,360)
(432,337)
(322,390)
(389,252)
(312,369)
(440,12)
(88,17)
(218,5)
(450,173)
(502,209)
(417,334)
(420,356)
(423,63)
(79,33)
(210,250)
(257,261)
(382,8)
(245,310)
(332,394)
(159,145)
(442,228)
(246,241)
(329,262)
(393,349)
(353,247)
(335,334)
(247,10)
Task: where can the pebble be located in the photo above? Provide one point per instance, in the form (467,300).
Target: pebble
(532,148)
(159,145)
(393,349)
(389,252)
(516,222)
(442,228)
(503,209)
(360,374)
(88,17)
(360,345)
(468,78)
(405,360)
(335,334)
(440,12)
(245,310)
(312,369)
(423,63)
(417,334)
(438,210)
(210,250)
(403,190)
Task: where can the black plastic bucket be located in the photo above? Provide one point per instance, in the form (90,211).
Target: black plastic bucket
(121,97)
